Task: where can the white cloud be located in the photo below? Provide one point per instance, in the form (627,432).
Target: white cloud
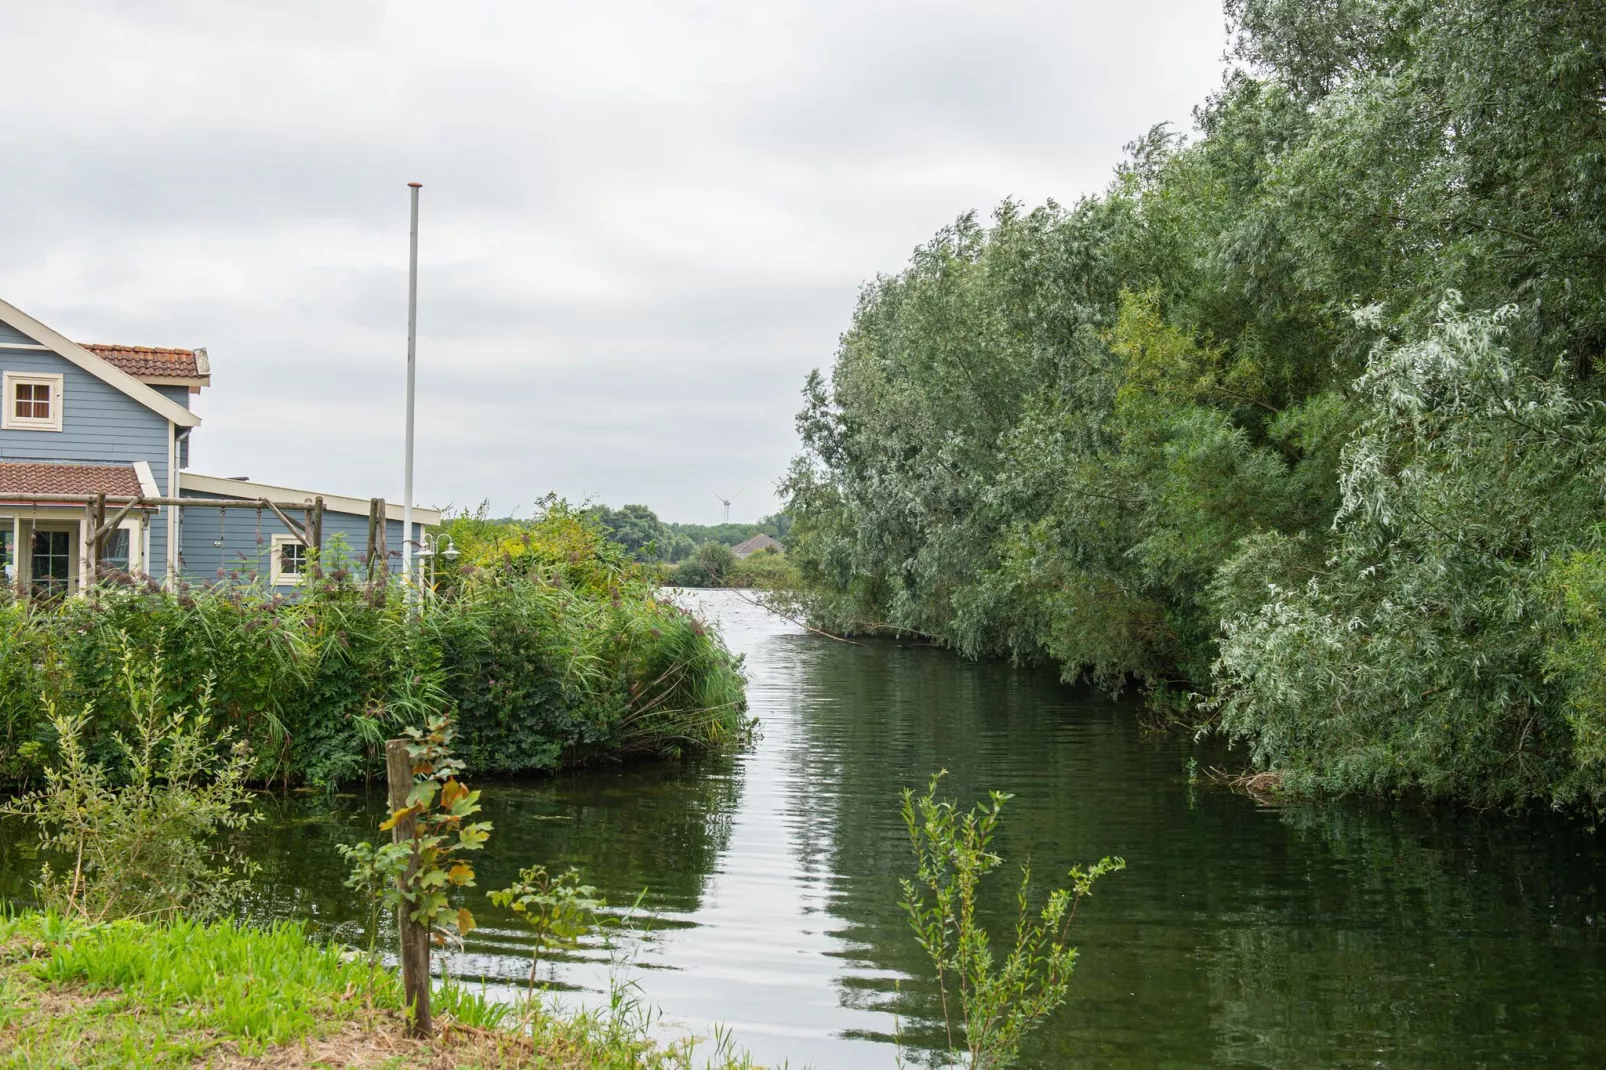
(643,221)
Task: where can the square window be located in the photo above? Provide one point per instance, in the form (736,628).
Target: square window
(289,560)
(33,402)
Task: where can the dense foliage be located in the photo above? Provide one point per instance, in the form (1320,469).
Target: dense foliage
(548,646)
(1302,416)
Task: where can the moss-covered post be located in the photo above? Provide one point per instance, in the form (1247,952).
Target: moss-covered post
(414,937)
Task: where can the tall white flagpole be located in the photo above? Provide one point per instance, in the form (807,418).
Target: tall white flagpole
(412,375)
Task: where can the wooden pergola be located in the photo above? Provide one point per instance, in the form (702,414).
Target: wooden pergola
(308,531)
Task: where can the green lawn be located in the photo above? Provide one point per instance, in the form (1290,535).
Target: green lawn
(132,995)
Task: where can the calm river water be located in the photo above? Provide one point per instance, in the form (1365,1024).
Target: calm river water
(1328,935)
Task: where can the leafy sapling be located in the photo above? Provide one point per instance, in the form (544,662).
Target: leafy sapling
(375,872)
(420,872)
(999,1001)
(559,910)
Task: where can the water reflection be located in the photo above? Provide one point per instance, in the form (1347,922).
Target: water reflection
(1310,936)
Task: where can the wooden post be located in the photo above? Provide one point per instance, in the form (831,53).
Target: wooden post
(86,547)
(384,541)
(414,937)
(97,547)
(373,537)
(315,524)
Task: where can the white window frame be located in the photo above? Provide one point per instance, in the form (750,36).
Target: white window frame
(276,575)
(10,421)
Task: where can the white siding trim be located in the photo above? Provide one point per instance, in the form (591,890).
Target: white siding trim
(172,513)
(147,479)
(239,488)
(84,550)
(103,370)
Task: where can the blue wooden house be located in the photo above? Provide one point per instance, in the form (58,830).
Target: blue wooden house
(94,475)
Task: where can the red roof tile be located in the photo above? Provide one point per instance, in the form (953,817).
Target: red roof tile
(20,479)
(149,362)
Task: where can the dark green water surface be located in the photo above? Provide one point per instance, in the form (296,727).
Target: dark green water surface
(1331,935)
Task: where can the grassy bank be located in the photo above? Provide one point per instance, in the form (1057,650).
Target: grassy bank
(226,995)
(552,651)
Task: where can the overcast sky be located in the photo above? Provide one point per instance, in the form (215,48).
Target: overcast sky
(644,221)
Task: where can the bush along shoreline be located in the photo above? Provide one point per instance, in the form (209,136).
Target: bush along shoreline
(559,656)
(1299,426)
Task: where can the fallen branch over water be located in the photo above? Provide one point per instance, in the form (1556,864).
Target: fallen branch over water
(1266,786)
(794,620)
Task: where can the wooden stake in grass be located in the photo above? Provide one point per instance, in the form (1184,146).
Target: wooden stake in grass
(414,936)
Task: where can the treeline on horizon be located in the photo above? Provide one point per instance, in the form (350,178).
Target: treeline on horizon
(1298,426)
(649,540)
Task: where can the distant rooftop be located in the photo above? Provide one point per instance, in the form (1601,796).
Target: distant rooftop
(754,545)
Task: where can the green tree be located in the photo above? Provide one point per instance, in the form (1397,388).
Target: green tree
(637,529)
(1089,435)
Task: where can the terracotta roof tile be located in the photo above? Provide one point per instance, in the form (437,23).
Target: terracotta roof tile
(19,479)
(148,361)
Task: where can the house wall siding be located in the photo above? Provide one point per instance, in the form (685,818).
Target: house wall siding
(178,395)
(98,423)
(241,558)
(9,335)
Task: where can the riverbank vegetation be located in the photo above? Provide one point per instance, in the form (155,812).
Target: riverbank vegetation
(714,565)
(548,646)
(1298,426)
(134,959)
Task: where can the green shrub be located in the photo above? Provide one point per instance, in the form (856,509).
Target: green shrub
(767,570)
(708,567)
(557,654)
(140,845)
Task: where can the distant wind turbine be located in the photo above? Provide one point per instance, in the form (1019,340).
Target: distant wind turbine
(726,502)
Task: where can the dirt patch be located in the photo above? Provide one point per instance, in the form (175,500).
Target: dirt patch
(355,1046)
